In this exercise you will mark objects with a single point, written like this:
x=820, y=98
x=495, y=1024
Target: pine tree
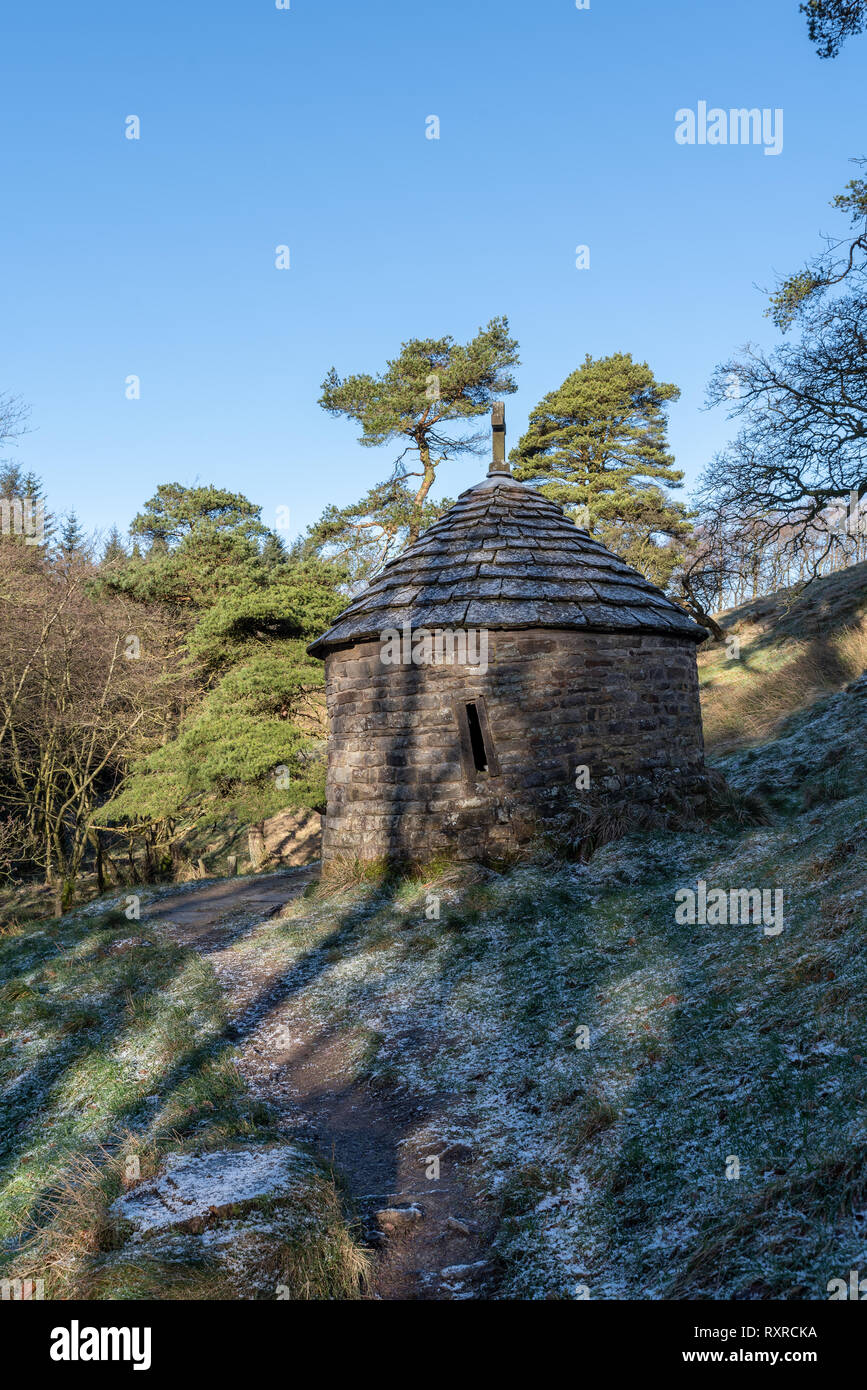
x=243, y=609
x=431, y=387
x=831, y=22
x=367, y=534
x=598, y=445
x=189, y=545
x=273, y=550
x=175, y=512
x=73, y=544
x=260, y=711
x=18, y=486
x=14, y=482
x=114, y=552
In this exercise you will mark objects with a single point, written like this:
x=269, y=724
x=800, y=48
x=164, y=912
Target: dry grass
x=98, y=1034
x=76, y=1244
x=852, y=646
x=745, y=700
x=606, y=818
x=12, y=928
x=332, y=1267
x=345, y=871
x=72, y=1221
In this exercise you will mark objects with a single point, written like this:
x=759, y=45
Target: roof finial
x=498, y=426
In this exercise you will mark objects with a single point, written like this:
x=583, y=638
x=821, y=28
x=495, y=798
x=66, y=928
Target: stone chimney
x=498, y=428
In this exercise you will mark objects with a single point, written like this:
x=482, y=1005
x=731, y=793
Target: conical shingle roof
x=504, y=556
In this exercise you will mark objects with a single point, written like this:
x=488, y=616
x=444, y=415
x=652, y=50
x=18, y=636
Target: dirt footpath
x=429, y=1235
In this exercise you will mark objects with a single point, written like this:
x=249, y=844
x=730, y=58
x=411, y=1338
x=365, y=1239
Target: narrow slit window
x=477, y=739
x=478, y=754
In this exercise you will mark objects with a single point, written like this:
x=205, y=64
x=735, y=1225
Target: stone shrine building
x=485, y=667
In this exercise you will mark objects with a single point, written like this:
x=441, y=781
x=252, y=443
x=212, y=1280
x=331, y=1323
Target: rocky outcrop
x=193, y=1189
x=232, y=1212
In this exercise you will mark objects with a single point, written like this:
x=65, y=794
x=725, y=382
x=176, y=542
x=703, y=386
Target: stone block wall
x=626, y=706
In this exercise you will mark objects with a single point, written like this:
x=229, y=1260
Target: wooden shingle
x=505, y=557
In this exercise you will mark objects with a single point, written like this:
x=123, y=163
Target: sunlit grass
x=112, y=1044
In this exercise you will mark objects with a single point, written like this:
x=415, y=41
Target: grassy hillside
x=607, y=1167
x=783, y=653
x=112, y=1049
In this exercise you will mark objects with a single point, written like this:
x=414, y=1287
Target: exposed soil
x=435, y=1245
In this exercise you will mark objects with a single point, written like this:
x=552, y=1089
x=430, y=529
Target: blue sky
x=306, y=127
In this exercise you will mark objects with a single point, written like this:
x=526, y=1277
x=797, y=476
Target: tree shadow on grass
x=44, y=1085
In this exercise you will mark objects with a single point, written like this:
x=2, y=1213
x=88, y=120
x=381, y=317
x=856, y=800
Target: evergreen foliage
x=423, y=398
x=831, y=22
x=72, y=543
x=114, y=551
x=247, y=611
x=598, y=445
